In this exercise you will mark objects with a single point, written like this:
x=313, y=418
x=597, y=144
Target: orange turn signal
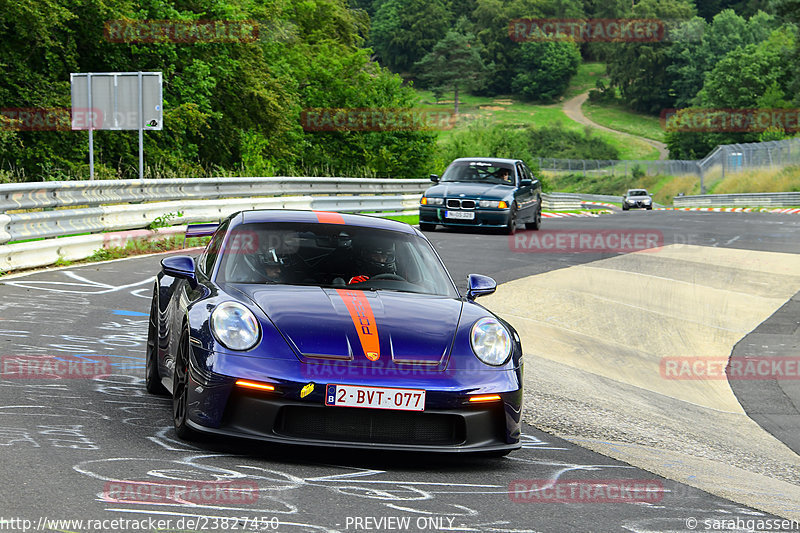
x=254, y=385
x=502, y=205
x=485, y=398
x=424, y=201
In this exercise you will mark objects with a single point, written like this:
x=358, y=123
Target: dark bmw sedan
x=483, y=192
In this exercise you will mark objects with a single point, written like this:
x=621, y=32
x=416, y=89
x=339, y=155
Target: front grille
x=455, y=203
x=370, y=425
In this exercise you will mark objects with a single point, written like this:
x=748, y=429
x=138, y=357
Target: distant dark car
x=483, y=192
x=637, y=198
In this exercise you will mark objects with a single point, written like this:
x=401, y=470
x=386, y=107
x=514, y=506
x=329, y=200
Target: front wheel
x=425, y=226
x=649, y=207
x=180, y=390
x=152, y=378
x=537, y=222
x=511, y=228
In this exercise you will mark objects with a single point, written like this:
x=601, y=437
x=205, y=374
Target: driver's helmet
x=273, y=264
x=377, y=256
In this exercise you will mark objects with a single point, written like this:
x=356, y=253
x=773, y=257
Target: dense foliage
x=237, y=107
x=230, y=107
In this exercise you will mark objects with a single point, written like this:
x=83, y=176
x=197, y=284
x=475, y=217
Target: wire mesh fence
x=723, y=160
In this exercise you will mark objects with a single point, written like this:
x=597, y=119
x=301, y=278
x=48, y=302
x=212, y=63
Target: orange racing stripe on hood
x=364, y=321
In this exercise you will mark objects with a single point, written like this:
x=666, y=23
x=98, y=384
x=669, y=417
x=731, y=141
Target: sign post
x=117, y=101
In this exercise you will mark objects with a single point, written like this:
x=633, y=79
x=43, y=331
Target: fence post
x=584, y=167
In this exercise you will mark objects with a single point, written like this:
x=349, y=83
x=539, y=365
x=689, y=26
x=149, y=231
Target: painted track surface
x=64, y=441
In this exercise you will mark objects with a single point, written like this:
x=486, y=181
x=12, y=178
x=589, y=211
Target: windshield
x=480, y=171
x=334, y=256
x=637, y=193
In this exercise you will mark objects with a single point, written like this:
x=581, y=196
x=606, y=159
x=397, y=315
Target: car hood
x=637, y=198
x=480, y=191
x=360, y=326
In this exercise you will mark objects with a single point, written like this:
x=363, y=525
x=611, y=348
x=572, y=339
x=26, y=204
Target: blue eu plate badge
x=331, y=395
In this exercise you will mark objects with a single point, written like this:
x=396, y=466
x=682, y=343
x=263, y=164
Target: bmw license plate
x=375, y=397
x=462, y=215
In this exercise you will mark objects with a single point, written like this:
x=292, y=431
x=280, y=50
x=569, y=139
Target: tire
x=511, y=229
x=180, y=390
x=152, y=378
x=537, y=223
x=625, y=208
x=649, y=207
x=425, y=226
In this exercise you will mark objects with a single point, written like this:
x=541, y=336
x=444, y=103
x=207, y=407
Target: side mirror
x=180, y=267
x=525, y=182
x=435, y=178
x=478, y=285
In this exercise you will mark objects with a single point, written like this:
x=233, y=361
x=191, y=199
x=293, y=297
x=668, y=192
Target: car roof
x=319, y=217
x=488, y=160
x=631, y=190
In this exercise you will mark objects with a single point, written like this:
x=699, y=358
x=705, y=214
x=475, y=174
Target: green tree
x=543, y=69
x=453, y=64
x=639, y=70
x=403, y=31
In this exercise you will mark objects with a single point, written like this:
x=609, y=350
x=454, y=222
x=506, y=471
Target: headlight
x=648, y=200
x=493, y=203
x=490, y=341
x=431, y=201
x=235, y=326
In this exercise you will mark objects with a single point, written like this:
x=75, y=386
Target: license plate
x=462, y=215
x=375, y=397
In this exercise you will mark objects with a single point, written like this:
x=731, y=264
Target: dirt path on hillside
x=572, y=108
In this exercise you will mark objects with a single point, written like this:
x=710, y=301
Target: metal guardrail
x=46, y=195
x=44, y=224
x=762, y=199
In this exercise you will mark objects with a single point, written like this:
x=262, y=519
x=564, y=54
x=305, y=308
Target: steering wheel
x=388, y=275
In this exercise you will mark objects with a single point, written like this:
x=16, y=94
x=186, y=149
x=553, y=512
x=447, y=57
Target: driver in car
x=374, y=259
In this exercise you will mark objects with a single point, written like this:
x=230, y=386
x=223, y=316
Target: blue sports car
x=330, y=329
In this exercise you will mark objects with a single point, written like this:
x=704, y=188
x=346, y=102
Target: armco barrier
x=760, y=199
x=95, y=193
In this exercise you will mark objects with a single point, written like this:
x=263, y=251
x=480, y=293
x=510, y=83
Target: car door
x=536, y=187
x=526, y=200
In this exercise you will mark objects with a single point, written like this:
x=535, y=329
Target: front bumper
x=637, y=205
x=483, y=217
x=448, y=424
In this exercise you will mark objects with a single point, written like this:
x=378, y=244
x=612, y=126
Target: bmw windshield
x=479, y=171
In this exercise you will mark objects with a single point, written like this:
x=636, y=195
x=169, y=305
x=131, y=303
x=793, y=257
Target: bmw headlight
x=436, y=201
x=490, y=341
x=235, y=326
x=493, y=203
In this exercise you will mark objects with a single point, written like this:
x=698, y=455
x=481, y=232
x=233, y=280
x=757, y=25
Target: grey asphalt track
x=67, y=442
